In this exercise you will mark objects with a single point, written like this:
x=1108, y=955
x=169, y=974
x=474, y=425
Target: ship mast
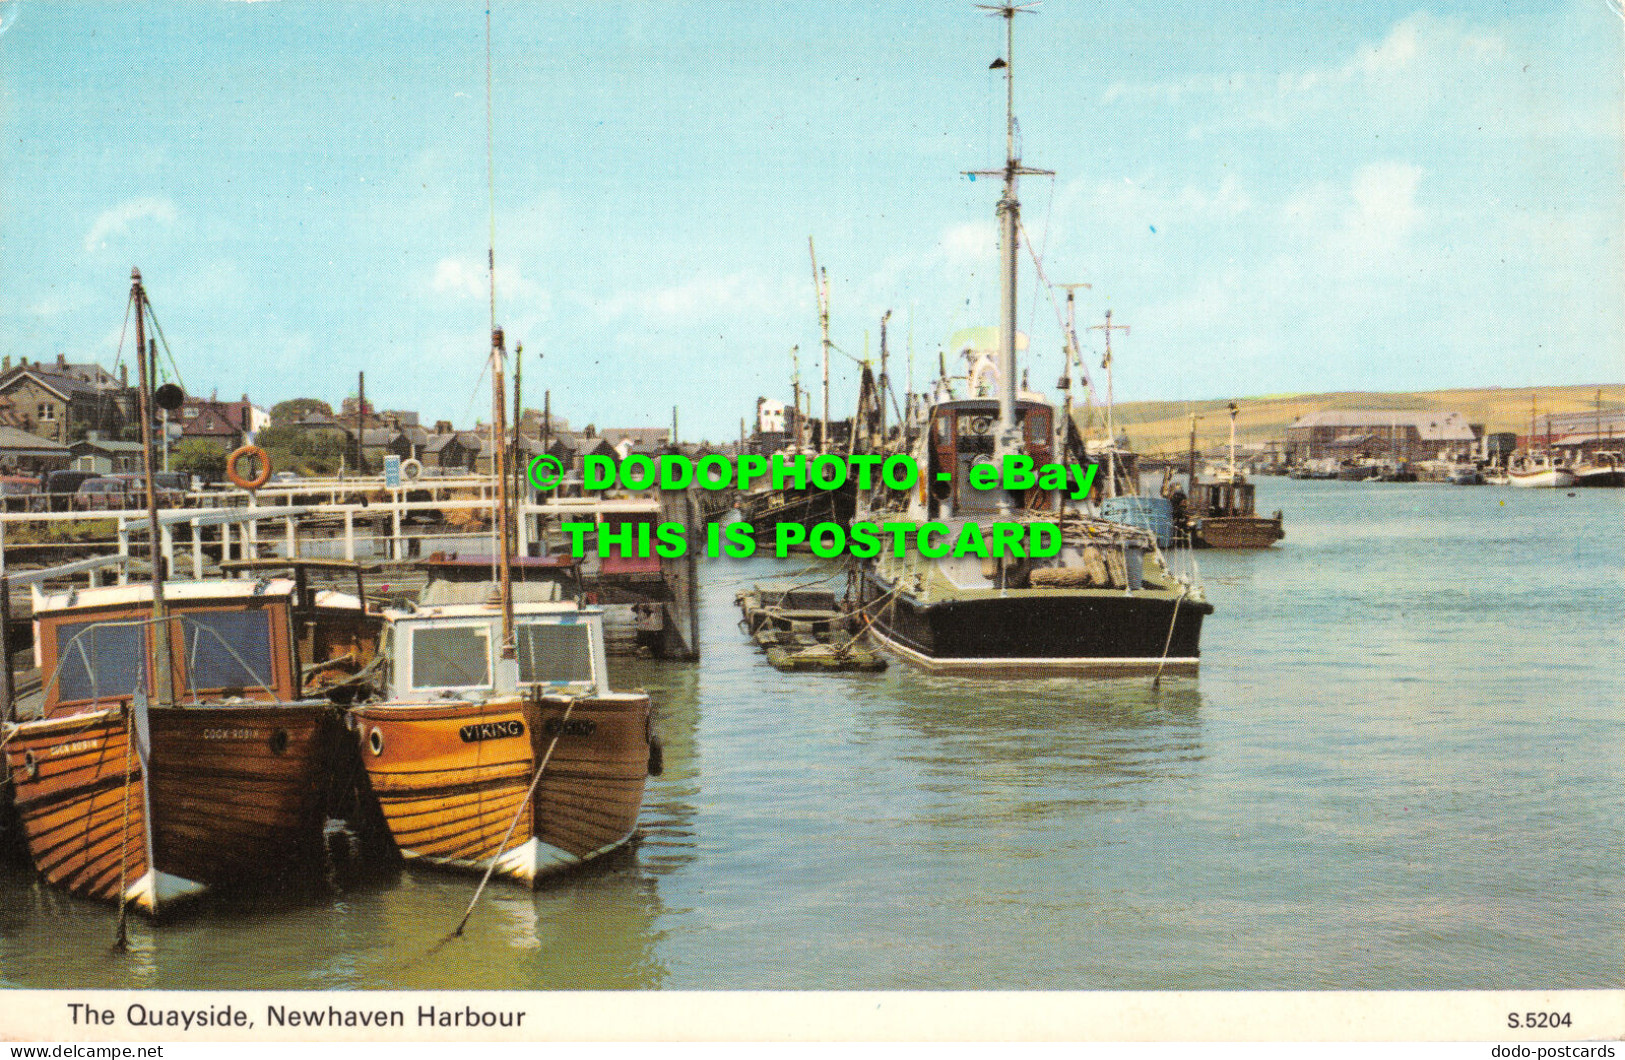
x=163, y=667
x=1008, y=438
x=499, y=397
x=821, y=289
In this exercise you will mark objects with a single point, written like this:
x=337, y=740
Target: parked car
x=102, y=494
x=62, y=486
x=171, y=486
x=20, y=493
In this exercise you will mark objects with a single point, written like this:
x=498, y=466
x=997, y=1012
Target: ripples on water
x=1400, y=768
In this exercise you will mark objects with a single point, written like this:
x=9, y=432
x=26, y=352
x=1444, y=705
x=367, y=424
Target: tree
x=304, y=450
x=296, y=409
x=199, y=457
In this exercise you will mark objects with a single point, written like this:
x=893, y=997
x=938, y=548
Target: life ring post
x=255, y=453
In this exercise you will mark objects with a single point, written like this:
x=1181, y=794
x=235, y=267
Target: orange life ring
x=258, y=480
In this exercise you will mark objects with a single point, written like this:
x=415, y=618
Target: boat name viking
x=491, y=730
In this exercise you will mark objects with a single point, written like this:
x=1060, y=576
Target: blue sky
x=1276, y=197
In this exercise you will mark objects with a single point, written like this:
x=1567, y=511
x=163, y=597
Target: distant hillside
x=1164, y=426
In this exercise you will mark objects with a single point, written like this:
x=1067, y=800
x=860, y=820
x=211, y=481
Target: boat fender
x=260, y=479
x=657, y=757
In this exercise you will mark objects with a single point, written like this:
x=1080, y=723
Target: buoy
x=258, y=480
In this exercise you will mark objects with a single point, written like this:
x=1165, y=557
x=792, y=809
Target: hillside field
x=1163, y=427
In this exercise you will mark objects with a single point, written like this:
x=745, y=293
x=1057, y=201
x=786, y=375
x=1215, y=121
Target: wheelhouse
x=230, y=641
x=452, y=652
x=962, y=435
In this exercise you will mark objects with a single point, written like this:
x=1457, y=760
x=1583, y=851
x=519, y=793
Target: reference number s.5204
x=1539, y=1019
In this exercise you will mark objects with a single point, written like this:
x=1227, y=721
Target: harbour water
x=1402, y=767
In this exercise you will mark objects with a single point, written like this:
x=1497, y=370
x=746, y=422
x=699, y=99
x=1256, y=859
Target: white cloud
x=968, y=243
x=117, y=221
x=464, y=278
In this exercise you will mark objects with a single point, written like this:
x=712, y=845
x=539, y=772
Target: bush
x=194, y=456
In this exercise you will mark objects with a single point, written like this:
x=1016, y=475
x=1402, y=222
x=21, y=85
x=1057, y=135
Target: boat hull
x=1035, y=633
x=765, y=510
x=1545, y=478
x=454, y=780
x=1595, y=477
x=229, y=797
x=1236, y=531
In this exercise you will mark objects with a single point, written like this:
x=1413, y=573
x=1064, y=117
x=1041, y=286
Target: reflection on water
x=1400, y=767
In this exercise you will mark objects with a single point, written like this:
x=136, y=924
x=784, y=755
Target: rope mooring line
x=1156, y=681
x=526, y=801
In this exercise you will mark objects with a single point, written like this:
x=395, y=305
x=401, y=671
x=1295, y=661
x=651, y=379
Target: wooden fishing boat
x=497, y=745
x=1220, y=511
x=531, y=761
x=172, y=752
x=1221, y=515
x=121, y=798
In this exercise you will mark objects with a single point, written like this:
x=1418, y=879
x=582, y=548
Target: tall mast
x=1071, y=354
x=499, y=400
x=795, y=391
x=1009, y=212
x=821, y=289
x=163, y=664
x=885, y=381
x=1111, y=401
x=1233, y=411
x=499, y=420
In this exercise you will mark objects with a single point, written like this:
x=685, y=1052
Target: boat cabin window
x=451, y=656
x=228, y=649
x=552, y=653
x=100, y=660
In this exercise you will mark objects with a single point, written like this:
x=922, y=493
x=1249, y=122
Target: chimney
x=61, y=360
x=124, y=376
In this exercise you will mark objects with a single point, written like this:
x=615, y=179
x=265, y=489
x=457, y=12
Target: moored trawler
x=1104, y=603
x=124, y=798
x=531, y=762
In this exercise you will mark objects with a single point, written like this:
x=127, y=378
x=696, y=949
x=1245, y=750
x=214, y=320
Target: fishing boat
x=1537, y=470
x=527, y=760
x=1220, y=512
x=497, y=745
x=767, y=505
x=1106, y=603
x=174, y=751
x=1600, y=469
x=127, y=791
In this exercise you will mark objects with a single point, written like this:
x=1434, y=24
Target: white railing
x=351, y=520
